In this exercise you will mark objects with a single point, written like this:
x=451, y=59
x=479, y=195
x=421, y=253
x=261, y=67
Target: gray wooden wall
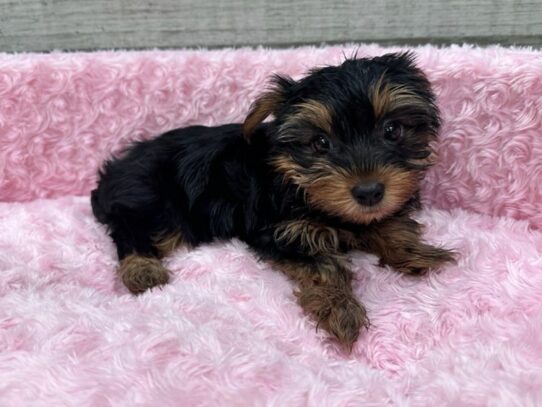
x=44, y=25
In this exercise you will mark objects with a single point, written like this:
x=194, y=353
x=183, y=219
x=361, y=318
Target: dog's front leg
x=309, y=255
x=398, y=243
x=325, y=293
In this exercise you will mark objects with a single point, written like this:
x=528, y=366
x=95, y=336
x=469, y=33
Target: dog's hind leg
x=140, y=267
x=139, y=273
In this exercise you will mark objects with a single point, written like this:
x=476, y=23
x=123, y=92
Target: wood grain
x=43, y=25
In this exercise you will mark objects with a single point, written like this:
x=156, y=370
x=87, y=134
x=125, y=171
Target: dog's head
x=354, y=138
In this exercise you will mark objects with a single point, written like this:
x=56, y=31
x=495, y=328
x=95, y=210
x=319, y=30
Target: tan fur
x=313, y=237
x=139, y=273
x=290, y=169
x=313, y=112
x=263, y=107
x=425, y=162
x=167, y=244
x=408, y=253
x=386, y=97
x=325, y=293
x=330, y=191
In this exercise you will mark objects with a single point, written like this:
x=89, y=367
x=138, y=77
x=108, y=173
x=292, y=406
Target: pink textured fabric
x=62, y=114
x=227, y=330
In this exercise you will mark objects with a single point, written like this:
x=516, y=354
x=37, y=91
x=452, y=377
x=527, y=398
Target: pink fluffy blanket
x=227, y=330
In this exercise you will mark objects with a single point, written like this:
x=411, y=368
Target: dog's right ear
x=267, y=104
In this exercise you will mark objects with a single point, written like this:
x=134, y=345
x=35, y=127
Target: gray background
x=44, y=25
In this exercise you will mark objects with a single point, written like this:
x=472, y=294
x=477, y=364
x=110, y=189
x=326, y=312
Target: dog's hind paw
x=139, y=273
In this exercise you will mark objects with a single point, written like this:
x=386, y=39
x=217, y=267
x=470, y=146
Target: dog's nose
x=368, y=193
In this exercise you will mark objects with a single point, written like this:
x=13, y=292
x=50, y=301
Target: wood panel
x=42, y=25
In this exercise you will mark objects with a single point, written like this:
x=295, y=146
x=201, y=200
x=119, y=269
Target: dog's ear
x=267, y=104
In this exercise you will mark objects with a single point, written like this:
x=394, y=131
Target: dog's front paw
x=140, y=273
x=419, y=259
x=335, y=310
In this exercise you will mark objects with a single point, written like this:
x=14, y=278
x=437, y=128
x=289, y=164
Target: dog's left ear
x=267, y=104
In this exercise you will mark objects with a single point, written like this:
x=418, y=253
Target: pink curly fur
x=227, y=330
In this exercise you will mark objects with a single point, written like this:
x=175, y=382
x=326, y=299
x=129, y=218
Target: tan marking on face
x=425, y=162
x=387, y=97
x=315, y=113
x=312, y=112
x=330, y=189
x=291, y=170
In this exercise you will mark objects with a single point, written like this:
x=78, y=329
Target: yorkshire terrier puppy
x=337, y=169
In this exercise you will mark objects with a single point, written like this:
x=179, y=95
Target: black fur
x=209, y=183
x=213, y=183
x=205, y=182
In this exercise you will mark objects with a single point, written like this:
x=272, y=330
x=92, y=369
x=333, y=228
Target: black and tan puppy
x=338, y=168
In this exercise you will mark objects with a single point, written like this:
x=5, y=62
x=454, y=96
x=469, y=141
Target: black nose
x=368, y=193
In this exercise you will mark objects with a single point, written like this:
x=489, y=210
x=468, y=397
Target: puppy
x=337, y=169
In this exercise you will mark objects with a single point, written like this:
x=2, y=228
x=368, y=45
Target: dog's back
x=197, y=180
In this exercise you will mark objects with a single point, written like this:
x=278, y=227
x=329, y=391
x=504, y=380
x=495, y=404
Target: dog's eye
x=393, y=131
x=321, y=144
